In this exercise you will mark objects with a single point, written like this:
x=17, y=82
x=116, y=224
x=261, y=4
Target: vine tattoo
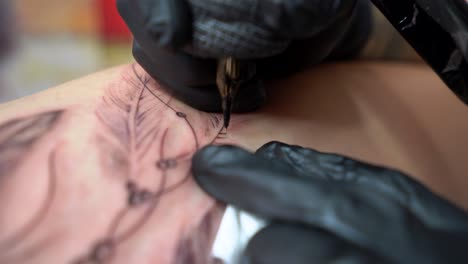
x=13, y=241
x=132, y=120
x=135, y=133
x=19, y=135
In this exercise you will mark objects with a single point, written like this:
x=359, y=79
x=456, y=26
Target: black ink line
x=136, y=196
x=19, y=135
x=213, y=123
x=142, y=220
x=115, y=223
x=197, y=144
x=145, y=136
x=183, y=116
x=166, y=164
x=178, y=113
x=132, y=122
x=148, y=146
x=15, y=240
x=177, y=184
x=149, y=90
x=143, y=115
x=103, y=251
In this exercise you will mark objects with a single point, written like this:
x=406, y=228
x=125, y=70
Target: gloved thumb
x=216, y=170
x=251, y=182
x=238, y=177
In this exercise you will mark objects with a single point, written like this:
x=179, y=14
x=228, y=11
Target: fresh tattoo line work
x=132, y=120
x=136, y=133
x=19, y=135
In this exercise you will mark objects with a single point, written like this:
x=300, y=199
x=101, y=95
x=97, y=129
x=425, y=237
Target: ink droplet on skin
x=166, y=164
x=180, y=114
x=131, y=186
x=138, y=197
x=102, y=251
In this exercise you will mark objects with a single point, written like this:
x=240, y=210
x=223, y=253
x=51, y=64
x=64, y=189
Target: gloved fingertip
x=290, y=154
x=252, y=183
x=271, y=149
x=305, y=161
x=211, y=156
x=212, y=168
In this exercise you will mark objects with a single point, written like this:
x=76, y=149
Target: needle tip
x=227, y=118
x=226, y=111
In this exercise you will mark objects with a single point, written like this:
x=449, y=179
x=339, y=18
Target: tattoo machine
x=438, y=31
x=230, y=75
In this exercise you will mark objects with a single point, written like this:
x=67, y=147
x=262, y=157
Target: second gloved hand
x=326, y=208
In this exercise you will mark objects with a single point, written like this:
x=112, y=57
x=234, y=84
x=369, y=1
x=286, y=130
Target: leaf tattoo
x=19, y=135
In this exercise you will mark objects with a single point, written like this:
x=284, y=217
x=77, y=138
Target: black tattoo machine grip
x=438, y=31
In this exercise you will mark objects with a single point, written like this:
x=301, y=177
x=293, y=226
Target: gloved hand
x=177, y=41
x=327, y=208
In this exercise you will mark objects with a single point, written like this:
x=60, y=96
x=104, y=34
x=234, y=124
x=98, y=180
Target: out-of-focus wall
x=6, y=32
x=57, y=41
x=58, y=16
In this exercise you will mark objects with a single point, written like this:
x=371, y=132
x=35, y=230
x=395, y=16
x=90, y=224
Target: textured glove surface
x=178, y=41
x=245, y=29
x=327, y=208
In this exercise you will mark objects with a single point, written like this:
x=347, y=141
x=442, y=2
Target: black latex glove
x=177, y=41
x=327, y=208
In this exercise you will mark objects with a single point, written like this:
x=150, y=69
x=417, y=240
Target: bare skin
x=96, y=170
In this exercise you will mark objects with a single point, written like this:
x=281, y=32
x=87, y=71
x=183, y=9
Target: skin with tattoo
x=97, y=170
x=107, y=182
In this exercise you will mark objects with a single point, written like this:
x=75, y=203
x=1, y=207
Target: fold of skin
x=97, y=169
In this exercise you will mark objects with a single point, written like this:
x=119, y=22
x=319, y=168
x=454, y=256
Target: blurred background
x=44, y=43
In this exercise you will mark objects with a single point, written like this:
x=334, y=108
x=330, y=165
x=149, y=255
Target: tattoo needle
x=228, y=79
